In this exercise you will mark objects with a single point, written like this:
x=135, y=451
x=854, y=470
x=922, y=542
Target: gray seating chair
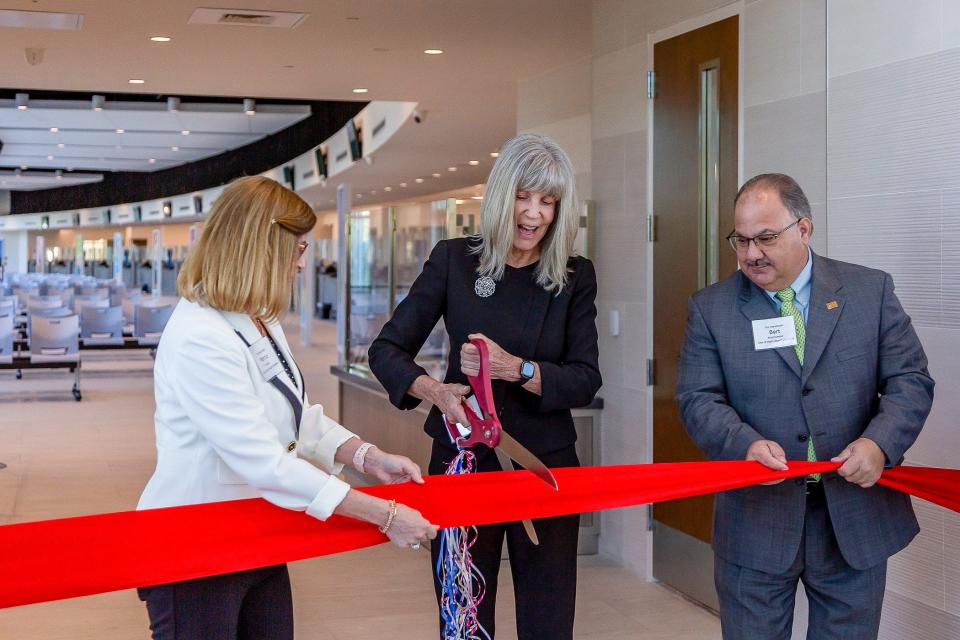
x=149, y=322
x=55, y=339
x=101, y=325
x=79, y=302
x=36, y=303
x=6, y=337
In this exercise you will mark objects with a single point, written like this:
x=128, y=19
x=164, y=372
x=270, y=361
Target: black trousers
x=544, y=576
x=247, y=605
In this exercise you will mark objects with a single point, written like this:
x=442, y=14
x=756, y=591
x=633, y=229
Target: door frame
x=691, y=24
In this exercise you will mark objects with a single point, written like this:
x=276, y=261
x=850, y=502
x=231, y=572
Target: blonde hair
x=243, y=261
x=534, y=163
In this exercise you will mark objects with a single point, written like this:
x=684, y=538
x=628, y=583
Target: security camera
x=419, y=116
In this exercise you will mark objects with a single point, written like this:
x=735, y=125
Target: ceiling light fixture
x=451, y=169
x=173, y=104
x=433, y=52
x=494, y=154
x=403, y=185
x=476, y=197
x=49, y=157
x=119, y=130
x=185, y=132
x=23, y=167
x=436, y=175
x=136, y=81
x=98, y=102
x=22, y=100
x=174, y=148
x=388, y=188
x=160, y=39
x=418, y=180
x=60, y=145
x=473, y=163
x=54, y=130
x=250, y=106
x=361, y=90
x=152, y=160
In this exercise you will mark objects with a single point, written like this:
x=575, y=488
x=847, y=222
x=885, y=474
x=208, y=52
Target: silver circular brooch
x=484, y=286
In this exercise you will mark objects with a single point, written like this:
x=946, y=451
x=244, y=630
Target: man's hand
x=863, y=462
x=769, y=454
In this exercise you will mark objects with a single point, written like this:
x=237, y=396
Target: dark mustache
x=762, y=262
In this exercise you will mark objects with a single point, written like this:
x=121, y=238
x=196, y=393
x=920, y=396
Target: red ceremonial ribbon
x=55, y=559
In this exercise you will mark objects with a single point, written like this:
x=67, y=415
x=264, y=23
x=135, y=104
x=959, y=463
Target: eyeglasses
x=302, y=248
x=763, y=241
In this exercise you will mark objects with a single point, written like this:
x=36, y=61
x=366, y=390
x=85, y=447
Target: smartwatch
x=527, y=371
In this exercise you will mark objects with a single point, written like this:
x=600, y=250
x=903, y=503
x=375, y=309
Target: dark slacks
x=845, y=603
x=247, y=605
x=544, y=576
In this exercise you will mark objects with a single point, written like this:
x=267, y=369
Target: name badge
x=774, y=333
x=266, y=358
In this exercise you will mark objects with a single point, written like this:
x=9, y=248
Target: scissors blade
x=525, y=459
x=527, y=524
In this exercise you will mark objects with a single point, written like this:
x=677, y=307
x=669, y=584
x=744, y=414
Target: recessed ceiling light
x=185, y=132
x=359, y=195
x=373, y=192
x=119, y=130
x=160, y=39
x=361, y=90
x=476, y=197
x=23, y=167
x=136, y=81
x=174, y=148
x=60, y=145
x=403, y=185
x=152, y=160
x=49, y=157
x=451, y=168
x=494, y=154
x=388, y=188
x=436, y=175
x=473, y=163
x=460, y=201
x=418, y=180
x=54, y=130
x=433, y=52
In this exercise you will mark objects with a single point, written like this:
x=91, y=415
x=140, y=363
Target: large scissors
x=485, y=428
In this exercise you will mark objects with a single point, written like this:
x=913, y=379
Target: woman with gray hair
x=518, y=287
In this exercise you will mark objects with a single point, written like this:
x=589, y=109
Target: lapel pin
x=833, y=304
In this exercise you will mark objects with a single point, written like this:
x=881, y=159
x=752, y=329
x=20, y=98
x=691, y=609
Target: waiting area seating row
x=45, y=320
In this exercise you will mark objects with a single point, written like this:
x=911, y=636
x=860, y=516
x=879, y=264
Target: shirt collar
x=800, y=286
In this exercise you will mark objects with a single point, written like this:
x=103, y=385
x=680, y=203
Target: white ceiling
x=469, y=92
x=90, y=139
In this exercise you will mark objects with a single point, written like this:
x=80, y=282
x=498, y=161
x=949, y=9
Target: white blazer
x=224, y=432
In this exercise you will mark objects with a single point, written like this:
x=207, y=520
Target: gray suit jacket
x=864, y=374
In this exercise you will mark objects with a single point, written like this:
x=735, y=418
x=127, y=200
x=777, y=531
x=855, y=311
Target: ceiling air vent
x=247, y=18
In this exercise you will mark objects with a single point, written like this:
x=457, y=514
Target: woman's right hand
x=410, y=528
x=449, y=399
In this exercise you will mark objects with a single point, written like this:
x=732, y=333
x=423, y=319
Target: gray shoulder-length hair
x=534, y=163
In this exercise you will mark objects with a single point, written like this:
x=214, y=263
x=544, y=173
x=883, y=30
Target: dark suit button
x=807, y=391
x=802, y=437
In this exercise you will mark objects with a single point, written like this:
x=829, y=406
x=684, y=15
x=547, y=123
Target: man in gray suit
x=799, y=357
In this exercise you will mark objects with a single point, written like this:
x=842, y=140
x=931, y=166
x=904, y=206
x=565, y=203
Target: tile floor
x=66, y=458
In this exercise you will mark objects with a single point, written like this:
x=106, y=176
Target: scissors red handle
x=486, y=428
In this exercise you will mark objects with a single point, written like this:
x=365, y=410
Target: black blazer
x=557, y=331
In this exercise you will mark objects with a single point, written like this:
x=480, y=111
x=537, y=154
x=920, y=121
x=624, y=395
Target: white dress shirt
x=225, y=433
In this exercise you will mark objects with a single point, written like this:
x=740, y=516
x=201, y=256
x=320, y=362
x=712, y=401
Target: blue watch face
x=526, y=370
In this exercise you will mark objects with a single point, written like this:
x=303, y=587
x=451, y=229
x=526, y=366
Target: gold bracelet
x=390, y=517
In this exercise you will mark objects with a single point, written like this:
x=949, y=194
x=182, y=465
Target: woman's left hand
x=503, y=366
x=390, y=468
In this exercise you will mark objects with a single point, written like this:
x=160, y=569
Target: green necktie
x=787, y=308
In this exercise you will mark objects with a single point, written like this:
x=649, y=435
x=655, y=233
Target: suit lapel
x=756, y=305
x=822, y=314
x=539, y=303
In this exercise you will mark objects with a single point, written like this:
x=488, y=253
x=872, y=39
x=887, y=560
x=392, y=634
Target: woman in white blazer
x=233, y=420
